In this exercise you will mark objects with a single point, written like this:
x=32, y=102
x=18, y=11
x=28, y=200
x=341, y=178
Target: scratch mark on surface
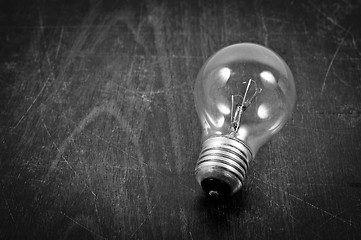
x=334, y=22
x=92, y=191
x=52, y=75
x=132, y=235
x=135, y=135
x=190, y=235
x=41, y=24
x=58, y=150
x=132, y=130
x=264, y=26
x=81, y=225
x=7, y=205
x=136, y=30
x=21, y=177
x=284, y=208
x=102, y=139
x=151, y=93
x=137, y=229
x=59, y=43
x=355, y=45
x=183, y=221
x=331, y=62
x=47, y=132
x=32, y=104
x=278, y=205
x=105, y=108
x=350, y=223
x=157, y=20
x=109, y=107
x=340, y=213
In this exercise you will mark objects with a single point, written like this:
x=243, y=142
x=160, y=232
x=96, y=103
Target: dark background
x=99, y=134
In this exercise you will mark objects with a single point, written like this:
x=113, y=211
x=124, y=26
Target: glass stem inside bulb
x=241, y=107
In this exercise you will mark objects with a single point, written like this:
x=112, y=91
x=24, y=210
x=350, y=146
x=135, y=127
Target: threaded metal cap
x=222, y=166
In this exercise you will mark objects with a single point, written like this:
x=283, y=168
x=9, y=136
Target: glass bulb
x=244, y=94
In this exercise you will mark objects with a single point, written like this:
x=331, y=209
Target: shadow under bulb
x=244, y=95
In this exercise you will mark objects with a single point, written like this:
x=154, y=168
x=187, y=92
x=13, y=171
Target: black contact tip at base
x=216, y=188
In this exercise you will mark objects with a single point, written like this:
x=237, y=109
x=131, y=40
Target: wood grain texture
x=99, y=134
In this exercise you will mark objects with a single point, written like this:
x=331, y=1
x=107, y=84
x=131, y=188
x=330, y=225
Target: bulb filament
x=241, y=107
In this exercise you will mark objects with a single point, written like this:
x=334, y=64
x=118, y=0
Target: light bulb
x=244, y=95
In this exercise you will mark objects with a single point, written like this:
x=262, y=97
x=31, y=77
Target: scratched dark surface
x=99, y=134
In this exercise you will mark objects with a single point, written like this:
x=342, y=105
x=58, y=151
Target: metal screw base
x=222, y=166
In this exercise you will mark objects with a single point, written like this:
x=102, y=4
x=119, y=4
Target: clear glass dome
x=250, y=74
